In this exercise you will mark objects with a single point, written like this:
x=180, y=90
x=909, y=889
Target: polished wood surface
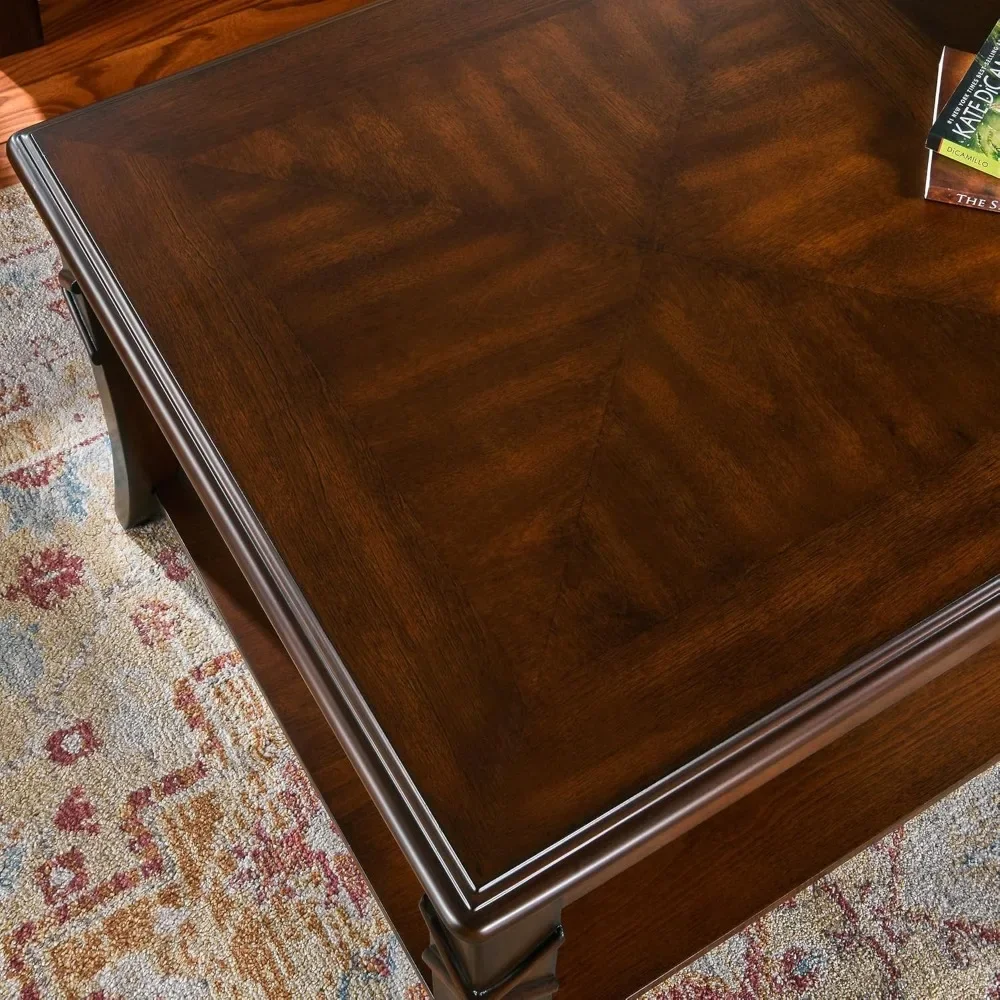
x=704, y=886
x=591, y=439
x=676, y=903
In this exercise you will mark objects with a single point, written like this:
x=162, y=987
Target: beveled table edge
x=594, y=852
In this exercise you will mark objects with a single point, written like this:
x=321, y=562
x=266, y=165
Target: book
x=967, y=127
x=948, y=180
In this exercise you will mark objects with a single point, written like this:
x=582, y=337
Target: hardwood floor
x=98, y=48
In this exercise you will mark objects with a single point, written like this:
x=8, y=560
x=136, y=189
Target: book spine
x=932, y=143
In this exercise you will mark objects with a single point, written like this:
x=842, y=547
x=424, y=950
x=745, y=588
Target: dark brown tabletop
x=593, y=370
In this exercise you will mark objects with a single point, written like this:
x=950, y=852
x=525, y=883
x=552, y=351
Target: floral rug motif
x=159, y=839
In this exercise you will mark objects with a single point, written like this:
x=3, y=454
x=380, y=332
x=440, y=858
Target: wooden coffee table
x=605, y=425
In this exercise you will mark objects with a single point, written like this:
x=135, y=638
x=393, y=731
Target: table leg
x=518, y=963
x=139, y=452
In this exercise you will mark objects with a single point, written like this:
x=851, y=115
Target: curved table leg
x=141, y=456
x=515, y=964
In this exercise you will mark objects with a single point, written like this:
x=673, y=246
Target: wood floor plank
x=63, y=18
x=23, y=104
x=77, y=33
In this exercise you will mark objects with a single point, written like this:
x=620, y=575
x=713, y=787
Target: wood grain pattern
x=63, y=17
x=614, y=430
x=80, y=34
x=94, y=18
x=612, y=456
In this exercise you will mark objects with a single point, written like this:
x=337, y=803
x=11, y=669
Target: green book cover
x=968, y=128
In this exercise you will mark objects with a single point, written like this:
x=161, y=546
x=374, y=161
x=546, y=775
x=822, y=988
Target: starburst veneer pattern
x=605, y=423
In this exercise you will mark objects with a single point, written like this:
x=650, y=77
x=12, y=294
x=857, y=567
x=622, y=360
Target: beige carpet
x=158, y=838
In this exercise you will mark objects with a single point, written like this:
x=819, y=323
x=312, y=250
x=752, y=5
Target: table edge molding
x=594, y=852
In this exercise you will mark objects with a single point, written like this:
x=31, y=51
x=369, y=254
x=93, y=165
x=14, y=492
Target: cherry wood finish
x=715, y=879
x=20, y=26
x=603, y=421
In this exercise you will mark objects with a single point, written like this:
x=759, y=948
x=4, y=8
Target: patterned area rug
x=158, y=838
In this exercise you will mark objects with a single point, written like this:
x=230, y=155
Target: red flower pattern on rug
x=75, y=814
x=174, y=564
x=47, y=577
x=67, y=746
